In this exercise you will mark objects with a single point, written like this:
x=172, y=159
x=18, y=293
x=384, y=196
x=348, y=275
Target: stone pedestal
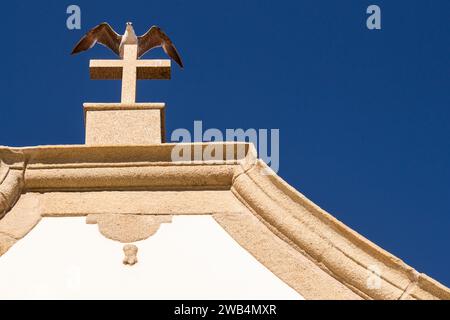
x=124, y=123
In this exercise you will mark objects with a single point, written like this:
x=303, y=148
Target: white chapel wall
x=190, y=258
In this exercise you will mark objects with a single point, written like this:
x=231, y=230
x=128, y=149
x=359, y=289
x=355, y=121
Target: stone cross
x=129, y=69
x=127, y=122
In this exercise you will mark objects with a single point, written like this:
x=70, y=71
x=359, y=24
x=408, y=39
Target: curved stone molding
x=10, y=189
x=82, y=155
x=11, y=185
x=127, y=228
x=292, y=267
x=340, y=251
x=6, y=242
x=147, y=167
x=19, y=221
x=11, y=178
x=151, y=177
x=4, y=171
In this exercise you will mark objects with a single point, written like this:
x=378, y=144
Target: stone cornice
x=309, y=231
x=149, y=167
x=12, y=166
x=337, y=249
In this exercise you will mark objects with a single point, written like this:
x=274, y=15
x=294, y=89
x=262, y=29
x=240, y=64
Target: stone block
x=124, y=124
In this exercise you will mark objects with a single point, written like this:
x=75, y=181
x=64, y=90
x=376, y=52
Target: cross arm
x=145, y=69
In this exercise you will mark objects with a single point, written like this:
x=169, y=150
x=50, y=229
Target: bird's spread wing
x=103, y=34
x=155, y=37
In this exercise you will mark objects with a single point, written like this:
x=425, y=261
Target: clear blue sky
x=363, y=115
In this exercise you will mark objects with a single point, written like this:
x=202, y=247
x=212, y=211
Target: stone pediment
x=126, y=186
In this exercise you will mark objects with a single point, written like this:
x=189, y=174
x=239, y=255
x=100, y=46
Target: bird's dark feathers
x=103, y=34
x=155, y=37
